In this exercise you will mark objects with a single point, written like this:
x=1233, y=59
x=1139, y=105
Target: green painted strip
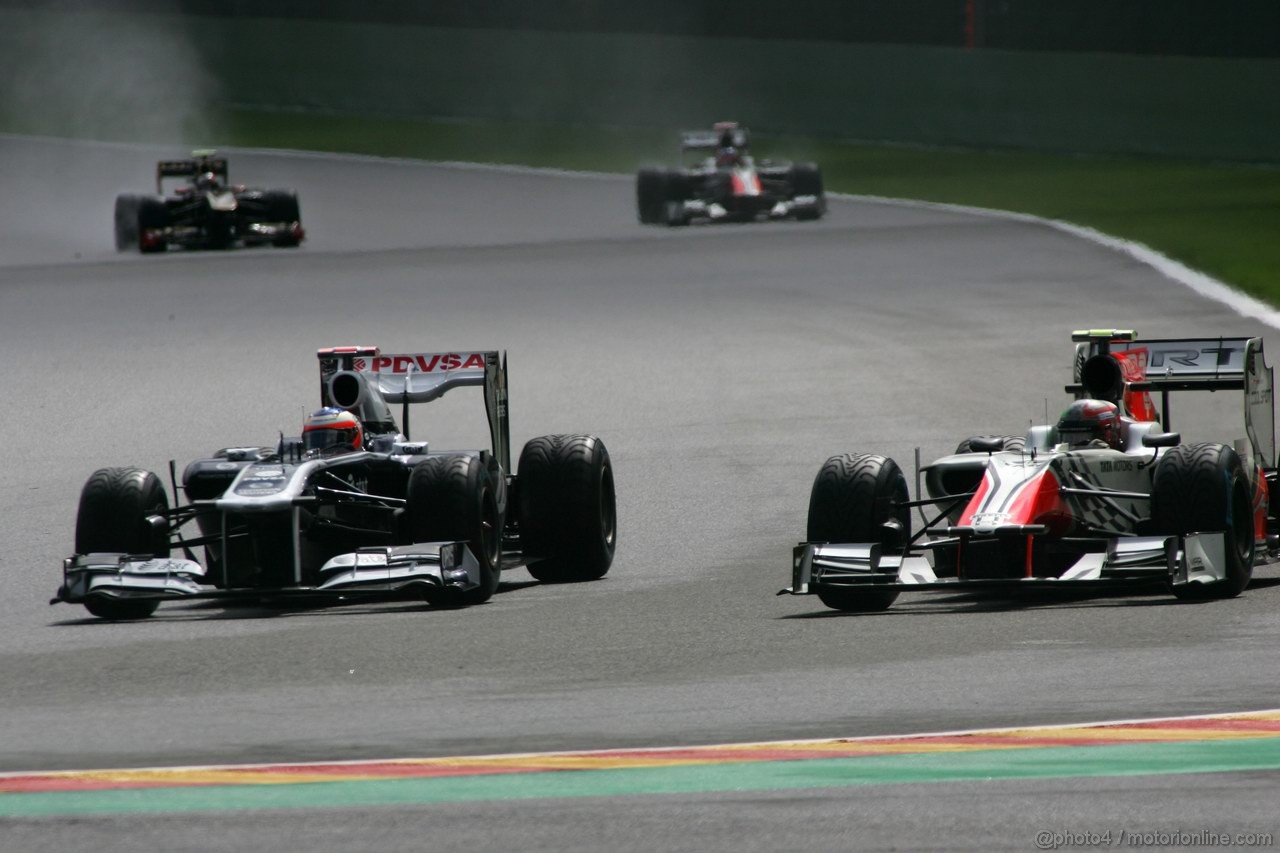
x=1215, y=756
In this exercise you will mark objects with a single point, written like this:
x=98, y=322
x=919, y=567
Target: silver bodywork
x=284, y=494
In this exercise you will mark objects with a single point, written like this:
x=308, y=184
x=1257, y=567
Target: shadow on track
x=1120, y=596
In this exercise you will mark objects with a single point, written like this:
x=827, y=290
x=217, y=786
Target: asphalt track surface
x=721, y=366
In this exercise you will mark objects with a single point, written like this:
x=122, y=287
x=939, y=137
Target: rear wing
x=716, y=137
x=1183, y=364
x=422, y=377
x=200, y=163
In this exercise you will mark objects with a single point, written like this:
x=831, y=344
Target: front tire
x=454, y=498
x=112, y=518
x=282, y=206
x=651, y=195
x=568, y=509
x=126, y=222
x=806, y=179
x=1203, y=488
x=853, y=496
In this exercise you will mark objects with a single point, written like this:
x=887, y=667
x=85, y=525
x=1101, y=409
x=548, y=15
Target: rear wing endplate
x=1196, y=364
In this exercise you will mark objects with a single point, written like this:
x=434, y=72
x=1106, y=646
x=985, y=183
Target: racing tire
x=651, y=195
x=152, y=214
x=1011, y=442
x=1203, y=488
x=568, y=508
x=126, y=222
x=282, y=206
x=451, y=499
x=806, y=179
x=852, y=498
x=112, y=518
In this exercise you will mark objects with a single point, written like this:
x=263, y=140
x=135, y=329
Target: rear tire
x=568, y=509
x=852, y=497
x=112, y=518
x=451, y=499
x=1203, y=488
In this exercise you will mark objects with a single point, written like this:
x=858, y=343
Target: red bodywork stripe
x=975, y=502
x=748, y=186
x=1039, y=502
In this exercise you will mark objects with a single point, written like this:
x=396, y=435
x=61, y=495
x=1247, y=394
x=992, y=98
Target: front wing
x=1193, y=559
x=374, y=571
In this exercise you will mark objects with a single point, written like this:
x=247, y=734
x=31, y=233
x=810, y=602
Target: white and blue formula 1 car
x=1107, y=494
x=371, y=514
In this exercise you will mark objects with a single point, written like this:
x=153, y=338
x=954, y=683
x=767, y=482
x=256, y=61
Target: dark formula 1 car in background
x=205, y=212
x=727, y=184
x=1105, y=495
x=353, y=507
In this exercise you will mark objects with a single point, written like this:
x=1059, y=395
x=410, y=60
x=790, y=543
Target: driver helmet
x=1087, y=421
x=207, y=181
x=728, y=156
x=332, y=428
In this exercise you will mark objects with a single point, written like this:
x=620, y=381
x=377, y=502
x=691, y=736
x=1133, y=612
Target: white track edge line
x=357, y=762
x=1201, y=283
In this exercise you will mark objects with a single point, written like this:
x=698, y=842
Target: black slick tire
x=1203, y=488
x=454, y=499
x=112, y=518
x=126, y=222
x=282, y=206
x=806, y=179
x=568, y=511
x=853, y=496
x=651, y=195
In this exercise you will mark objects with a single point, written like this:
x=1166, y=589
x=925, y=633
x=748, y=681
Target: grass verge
x=1223, y=219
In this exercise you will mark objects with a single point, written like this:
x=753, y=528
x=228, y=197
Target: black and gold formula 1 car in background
x=205, y=211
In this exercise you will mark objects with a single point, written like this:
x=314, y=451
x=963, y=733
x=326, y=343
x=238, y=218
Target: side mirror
x=1162, y=439
x=986, y=444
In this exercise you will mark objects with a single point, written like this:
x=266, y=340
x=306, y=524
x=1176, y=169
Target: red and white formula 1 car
x=1106, y=494
x=727, y=184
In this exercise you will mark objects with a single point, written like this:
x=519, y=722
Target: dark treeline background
x=1208, y=28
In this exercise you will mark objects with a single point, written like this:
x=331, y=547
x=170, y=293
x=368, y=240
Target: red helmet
x=1085, y=421
x=332, y=428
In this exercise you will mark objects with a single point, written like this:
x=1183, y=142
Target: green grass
x=1223, y=219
